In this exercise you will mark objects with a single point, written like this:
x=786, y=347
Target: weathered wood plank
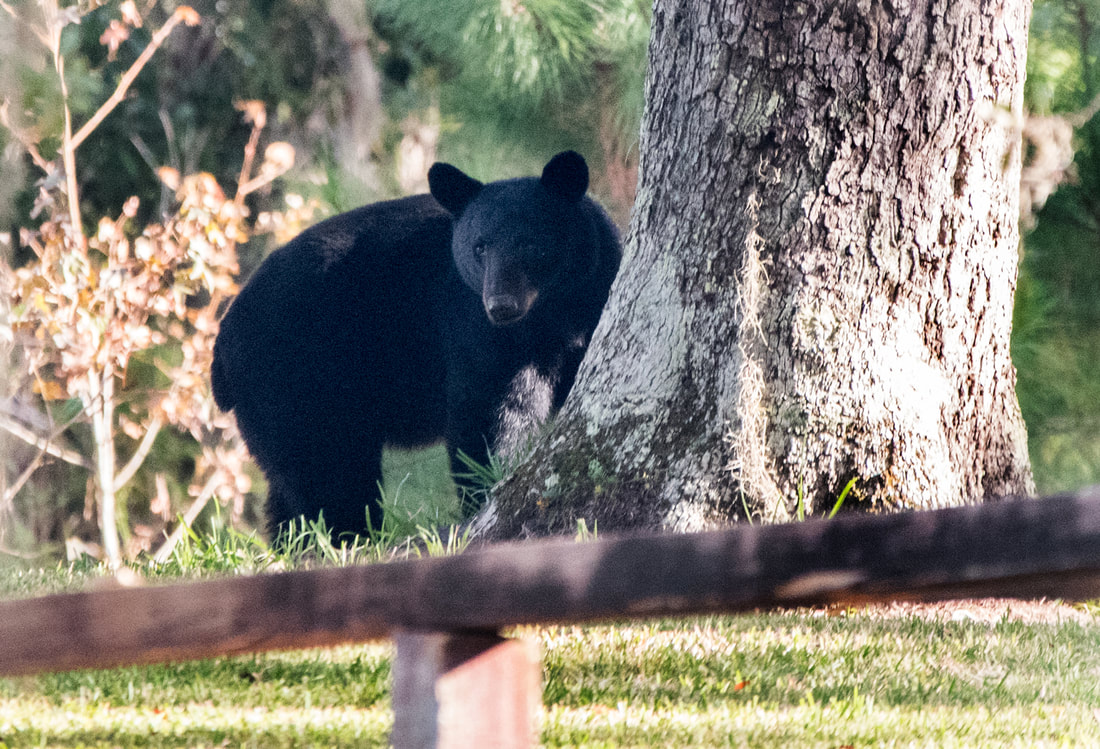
x=459, y=690
x=1045, y=547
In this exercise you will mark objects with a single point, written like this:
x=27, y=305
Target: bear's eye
x=479, y=250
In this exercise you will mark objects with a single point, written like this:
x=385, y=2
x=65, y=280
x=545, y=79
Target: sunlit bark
x=818, y=276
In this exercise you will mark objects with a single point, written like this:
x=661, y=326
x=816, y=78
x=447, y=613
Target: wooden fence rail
x=448, y=610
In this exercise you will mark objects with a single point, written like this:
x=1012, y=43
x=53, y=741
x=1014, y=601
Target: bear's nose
x=503, y=309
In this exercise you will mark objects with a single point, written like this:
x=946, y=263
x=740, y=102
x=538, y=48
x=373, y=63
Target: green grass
x=766, y=680
x=797, y=680
x=418, y=491
x=319, y=698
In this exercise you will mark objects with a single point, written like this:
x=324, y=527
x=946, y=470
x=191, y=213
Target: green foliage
x=514, y=81
x=583, y=534
x=1056, y=335
x=503, y=84
x=223, y=549
x=800, y=506
x=321, y=698
x=182, y=109
x=517, y=53
x=843, y=496
x=1062, y=51
x=25, y=580
x=481, y=478
x=418, y=491
x=146, y=285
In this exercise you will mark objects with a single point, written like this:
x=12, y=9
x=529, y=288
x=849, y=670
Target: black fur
x=459, y=316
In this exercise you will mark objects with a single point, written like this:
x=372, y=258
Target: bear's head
x=519, y=241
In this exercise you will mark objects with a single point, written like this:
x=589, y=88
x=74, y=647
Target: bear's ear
x=451, y=187
x=566, y=175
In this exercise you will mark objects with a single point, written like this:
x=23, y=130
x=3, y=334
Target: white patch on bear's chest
x=525, y=406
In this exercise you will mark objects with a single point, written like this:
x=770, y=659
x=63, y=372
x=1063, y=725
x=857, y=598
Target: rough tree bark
x=818, y=276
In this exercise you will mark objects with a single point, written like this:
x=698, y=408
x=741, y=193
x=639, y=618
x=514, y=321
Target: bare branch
x=256, y=114
x=18, y=554
x=24, y=140
x=278, y=159
x=193, y=511
x=45, y=444
x=183, y=13
x=68, y=150
x=132, y=466
x=11, y=491
x=1079, y=119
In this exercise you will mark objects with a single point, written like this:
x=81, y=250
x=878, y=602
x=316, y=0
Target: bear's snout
x=506, y=309
x=503, y=309
x=506, y=292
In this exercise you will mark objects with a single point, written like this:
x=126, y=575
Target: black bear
x=459, y=316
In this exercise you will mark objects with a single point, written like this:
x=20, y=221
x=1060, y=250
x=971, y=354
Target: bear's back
x=331, y=290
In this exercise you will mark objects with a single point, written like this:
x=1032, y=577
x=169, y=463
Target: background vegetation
x=363, y=95
x=1056, y=340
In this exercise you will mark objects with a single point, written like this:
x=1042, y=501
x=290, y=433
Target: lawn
x=913, y=677
x=973, y=674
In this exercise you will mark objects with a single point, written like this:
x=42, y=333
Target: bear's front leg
x=473, y=398
x=496, y=418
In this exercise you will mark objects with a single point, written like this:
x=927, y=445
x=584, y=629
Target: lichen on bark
x=818, y=276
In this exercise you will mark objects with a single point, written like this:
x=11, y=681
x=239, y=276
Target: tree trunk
x=101, y=404
x=356, y=132
x=818, y=277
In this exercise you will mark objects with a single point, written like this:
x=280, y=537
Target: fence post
x=456, y=690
